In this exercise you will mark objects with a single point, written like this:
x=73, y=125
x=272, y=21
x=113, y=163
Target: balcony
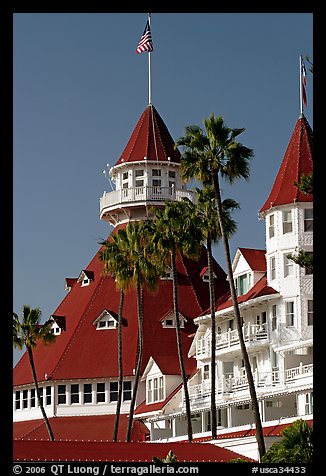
x=264, y=381
x=253, y=334
x=111, y=200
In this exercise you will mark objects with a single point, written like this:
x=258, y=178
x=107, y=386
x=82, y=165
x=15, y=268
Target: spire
x=297, y=161
x=150, y=139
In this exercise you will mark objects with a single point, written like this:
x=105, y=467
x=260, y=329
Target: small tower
x=289, y=227
x=146, y=174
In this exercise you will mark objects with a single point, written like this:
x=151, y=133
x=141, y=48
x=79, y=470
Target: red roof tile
x=255, y=258
x=258, y=290
x=86, y=427
x=83, y=304
x=124, y=452
x=150, y=139
x=297, y=161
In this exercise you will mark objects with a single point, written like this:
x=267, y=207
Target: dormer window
x=69, y=284
x=167, y=273
x=204, y=274
x=155, y=389
x=85, y=277
x=169, y=320
x=106, y=320
x=58, y=324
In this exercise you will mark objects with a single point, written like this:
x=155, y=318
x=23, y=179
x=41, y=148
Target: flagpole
x=301, y=100
x=149, y=68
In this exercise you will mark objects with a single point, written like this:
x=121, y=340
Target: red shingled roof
x=86, y=427
x=150, y=139
x=125, y=452
x=255, y=258
x=297, y=161
x=258, y=290
x=83, y=304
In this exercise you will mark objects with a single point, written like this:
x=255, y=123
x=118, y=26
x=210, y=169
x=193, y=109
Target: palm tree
x=27, y=333
x=139, y=272
x=207, y=156
x=206, y=208
x=175, y=227
x=296, y=445
x=113, y=255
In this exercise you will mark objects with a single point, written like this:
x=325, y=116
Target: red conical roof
x=150, y=139
x=296, y=162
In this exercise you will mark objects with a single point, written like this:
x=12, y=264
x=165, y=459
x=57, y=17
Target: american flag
x=303, y=83
x=145, y=42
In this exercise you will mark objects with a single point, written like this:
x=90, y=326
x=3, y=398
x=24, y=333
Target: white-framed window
x=170, y=321
x=106, y=321
x=155, y=389
x=62, y=395
x=288, y=266
x=41, y=395
x=308, y=409
x=308, y=224
x=127, y=390
x=274, y=317
x=287, y=221
x=100, y=392
x=17, y=400
x=125, y=176
x=74, y=393
x=139, y=173
x=271, y=226
x=167, y=273
x=206, y=372
x=289, y=313
x=310, y=312
x=88, y=393
x=25, y=399
x=85, y=277
x=272, y=267
x=156, y=172
x=48, y=395
x=33, y=397
x=243, y=284
x=156, y=184
x=114, y=387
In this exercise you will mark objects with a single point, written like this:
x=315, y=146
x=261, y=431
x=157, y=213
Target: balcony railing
x=298, y=372
x=263, y=380
x=140, y=194
x=251, y=332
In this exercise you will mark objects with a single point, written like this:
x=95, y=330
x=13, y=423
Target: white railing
x=263, y=380
x=134, y=194
x=298, y=372
x=251, y=332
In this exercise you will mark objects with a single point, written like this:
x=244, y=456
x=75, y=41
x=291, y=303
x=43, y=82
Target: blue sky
x=79, y=90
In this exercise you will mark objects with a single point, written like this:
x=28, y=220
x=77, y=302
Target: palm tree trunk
x=179, y=343
x=252, y=389
x=47, y=423
x=139, y=359
x=120, y=381
x=213, y=336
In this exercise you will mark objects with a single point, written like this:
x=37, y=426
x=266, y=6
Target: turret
x=146, y=174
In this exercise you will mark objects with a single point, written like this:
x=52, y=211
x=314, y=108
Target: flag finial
x=303, y=84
